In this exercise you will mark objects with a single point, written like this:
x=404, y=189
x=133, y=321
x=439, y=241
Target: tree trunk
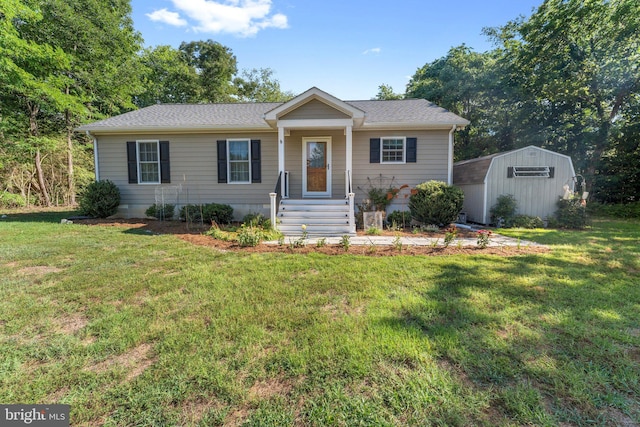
x=33, y=129
x=70, y=174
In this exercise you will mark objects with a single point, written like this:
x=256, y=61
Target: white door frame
x=306, y=193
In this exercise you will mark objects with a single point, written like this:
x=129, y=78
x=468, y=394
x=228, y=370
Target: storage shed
x=534, y=176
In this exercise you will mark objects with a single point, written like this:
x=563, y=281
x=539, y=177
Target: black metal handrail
x=278, y=190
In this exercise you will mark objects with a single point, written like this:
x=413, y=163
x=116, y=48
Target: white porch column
x=281, y=159
x=352, y=216
x=349, y=161
x=272, y=211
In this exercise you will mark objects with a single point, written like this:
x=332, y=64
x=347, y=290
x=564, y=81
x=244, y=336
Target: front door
x=316, y=160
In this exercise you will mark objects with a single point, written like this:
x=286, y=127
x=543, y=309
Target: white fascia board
x=173, y=130
x=315, y=123
x=412, y=126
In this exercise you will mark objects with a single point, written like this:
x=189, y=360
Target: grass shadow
x=46, y=216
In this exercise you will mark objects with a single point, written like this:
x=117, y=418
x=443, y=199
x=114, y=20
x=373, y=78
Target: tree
x=259, y=86
x=579, y=61
x=168, y=78
x=215, y=66
x=385, y=92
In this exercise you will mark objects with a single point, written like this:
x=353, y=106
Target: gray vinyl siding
x=314, y=110
x=431, y=162
x=193, y=162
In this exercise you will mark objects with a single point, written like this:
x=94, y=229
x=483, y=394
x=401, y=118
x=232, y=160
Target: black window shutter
x=374, y=150
x=412, y=150
x=256, y=169
x=165, y=169
x=132, y=162
x=510, y=172
x=552, y=171
x=222, y=161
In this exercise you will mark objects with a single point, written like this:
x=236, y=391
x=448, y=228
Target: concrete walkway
x=418, y=240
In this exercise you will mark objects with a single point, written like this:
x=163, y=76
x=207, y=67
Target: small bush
x=162, y=212
x=436, y=202
x=527, y=221
x=504, y=211
x=100, y=199
x=10, y=200
x=571, y=213
x=373, y=231
x=249, y=236
x=256, y=220
x=400, y=218
x=208, y=213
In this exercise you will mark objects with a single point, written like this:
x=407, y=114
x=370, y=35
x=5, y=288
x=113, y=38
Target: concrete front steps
x=322, y=217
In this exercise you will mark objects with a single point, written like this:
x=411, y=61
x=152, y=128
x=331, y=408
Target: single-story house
x=534, y=176
x=304, y=161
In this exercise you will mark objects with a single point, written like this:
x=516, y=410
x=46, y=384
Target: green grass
x=141, y=329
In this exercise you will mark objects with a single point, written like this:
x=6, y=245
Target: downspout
x=95, y=155
x=450, y=159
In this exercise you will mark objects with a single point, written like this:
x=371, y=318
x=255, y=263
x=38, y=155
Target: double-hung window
x=393, y=149
x=148, y=162
x=239, y=158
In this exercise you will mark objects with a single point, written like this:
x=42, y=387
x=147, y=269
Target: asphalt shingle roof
x=251, y=115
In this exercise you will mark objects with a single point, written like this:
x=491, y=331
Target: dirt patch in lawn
x=71, y=323
x=194, y=235
x=135, y=361
x=39, y=270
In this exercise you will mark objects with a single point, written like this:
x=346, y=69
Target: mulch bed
x=194, y=235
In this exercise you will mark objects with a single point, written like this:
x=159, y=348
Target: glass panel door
x=317, y=152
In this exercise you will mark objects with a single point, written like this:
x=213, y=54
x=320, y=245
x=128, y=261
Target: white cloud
x=373, y=51
x=171, y=18
x=243, y=18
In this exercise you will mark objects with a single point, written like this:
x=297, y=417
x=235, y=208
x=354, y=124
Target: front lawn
x=132, y=328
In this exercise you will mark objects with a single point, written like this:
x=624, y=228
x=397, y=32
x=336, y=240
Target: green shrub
x=504, y=211
x=400, y=218
x=256, y=220
x=249, y=236
x=163, y=212
x=100, y=199
x=436, y=202
x=527, y=221
x=10, y=200
x=625, y=211
x=571, y=213
x=209, y=213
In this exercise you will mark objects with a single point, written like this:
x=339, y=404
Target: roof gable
x=317, y=95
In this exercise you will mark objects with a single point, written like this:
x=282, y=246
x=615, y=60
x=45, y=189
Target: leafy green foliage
x=256, y=220
x=436, y=202
x=100, y=199
x=9, y=200
x=402, y=219
x=627, y=210
x=162, y=212
x=527, y=221
x=208, y=213
x=504, y=210
x=250, y=236
x=571, y=213
x=259, y=86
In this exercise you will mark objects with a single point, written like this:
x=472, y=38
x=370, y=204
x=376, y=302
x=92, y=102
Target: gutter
x=95, y=155
x=450, y=157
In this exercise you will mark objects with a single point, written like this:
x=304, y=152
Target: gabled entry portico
x=321, y=143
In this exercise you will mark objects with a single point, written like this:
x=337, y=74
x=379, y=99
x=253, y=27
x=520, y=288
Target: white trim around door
x=316, y=166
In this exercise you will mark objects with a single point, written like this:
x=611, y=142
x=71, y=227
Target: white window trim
x=229, y=141
x=404, y=150
x=138, y=161
x=544, y=171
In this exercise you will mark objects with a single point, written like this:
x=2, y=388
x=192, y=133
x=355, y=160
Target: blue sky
x=347, y=48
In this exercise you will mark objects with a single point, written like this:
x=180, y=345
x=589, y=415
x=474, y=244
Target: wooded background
x=566, y=79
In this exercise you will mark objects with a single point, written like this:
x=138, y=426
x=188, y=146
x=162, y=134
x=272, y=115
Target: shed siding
x=431, y=162
x=473, y=202
x=314, y=109
x=194, y=167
